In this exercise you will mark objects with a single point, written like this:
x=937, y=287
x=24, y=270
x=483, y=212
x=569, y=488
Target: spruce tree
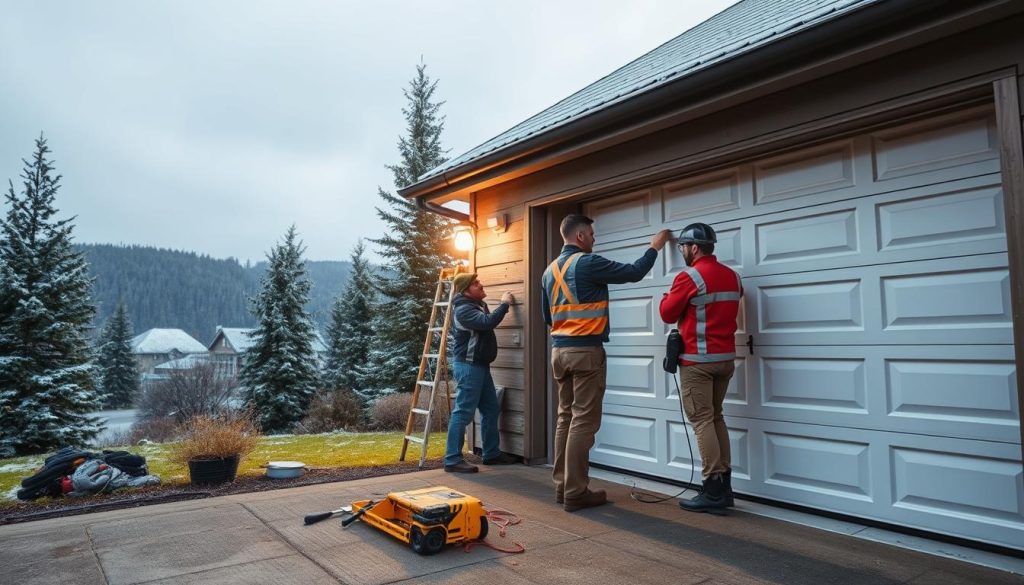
x=351, y=329
x=415, y=247
x=280, y=371
x=47, y=379
x=119, y=375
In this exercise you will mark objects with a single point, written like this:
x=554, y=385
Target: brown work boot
x=588, y=500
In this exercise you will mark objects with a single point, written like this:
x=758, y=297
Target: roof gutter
x=767, y=61
x=424, y=203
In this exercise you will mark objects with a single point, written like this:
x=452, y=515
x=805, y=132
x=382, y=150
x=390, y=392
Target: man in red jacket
x=703, y=302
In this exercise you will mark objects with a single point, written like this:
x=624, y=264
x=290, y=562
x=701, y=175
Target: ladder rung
x=442, y=304
x=421, y=411
x=432, y=355
x=414, y=439
x=436, y=329
x=425, y=383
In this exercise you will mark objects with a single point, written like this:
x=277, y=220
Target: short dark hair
x=706, y=249
x=573, y=222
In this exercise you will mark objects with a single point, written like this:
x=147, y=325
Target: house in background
x=230, y=343
x=156, y=346
x=861, y=161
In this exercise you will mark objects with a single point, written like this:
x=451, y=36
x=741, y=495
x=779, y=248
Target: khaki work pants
x=704, y=387
x=580, y=374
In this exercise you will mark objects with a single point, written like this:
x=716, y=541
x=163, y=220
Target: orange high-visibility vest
x=569, y=317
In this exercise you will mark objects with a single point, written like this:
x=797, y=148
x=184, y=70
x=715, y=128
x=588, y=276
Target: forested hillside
x=170, y=288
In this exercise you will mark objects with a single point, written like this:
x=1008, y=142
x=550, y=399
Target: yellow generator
x=427, y=519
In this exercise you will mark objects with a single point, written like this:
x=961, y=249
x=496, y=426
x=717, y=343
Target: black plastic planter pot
x=213, y=471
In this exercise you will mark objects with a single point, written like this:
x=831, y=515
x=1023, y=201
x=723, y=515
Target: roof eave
x=630, y=118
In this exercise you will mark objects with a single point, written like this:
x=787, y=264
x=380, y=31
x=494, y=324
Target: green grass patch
x=326, y=450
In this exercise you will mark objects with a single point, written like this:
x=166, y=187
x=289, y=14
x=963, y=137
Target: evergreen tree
x=351, y=329
x=415, y=247
x=280, y=371
x=119, y=375
x=47, y=379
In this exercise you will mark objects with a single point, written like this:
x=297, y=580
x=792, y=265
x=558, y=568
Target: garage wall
x=500, y=265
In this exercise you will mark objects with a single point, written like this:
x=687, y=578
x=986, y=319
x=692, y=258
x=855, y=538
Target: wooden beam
x=1011, y=154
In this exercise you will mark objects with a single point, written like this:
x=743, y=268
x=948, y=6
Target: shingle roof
x=240, y=340
x=164, y=341
x=741, y=28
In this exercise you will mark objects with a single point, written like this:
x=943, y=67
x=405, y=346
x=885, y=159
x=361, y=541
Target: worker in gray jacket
x=474, y=347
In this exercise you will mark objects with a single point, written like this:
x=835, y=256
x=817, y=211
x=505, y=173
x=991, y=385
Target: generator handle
x=356, y=516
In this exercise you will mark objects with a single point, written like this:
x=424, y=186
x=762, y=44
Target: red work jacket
x=703, y=303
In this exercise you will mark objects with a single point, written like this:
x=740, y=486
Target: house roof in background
x=165, y=341
x=241, y=341
x=185, y=363
x=742, y=28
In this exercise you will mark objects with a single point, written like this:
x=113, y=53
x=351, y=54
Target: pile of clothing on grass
x=73, y=472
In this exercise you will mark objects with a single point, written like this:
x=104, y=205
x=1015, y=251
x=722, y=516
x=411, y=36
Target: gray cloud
x=213, y=126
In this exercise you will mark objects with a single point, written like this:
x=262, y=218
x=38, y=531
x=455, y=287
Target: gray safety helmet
x=697, y=233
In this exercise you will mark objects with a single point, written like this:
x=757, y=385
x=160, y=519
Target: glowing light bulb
x=463, y=240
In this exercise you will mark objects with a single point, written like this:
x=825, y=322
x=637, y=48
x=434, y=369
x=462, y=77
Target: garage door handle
x=750, y=344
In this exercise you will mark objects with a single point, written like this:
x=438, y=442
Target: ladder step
x=421, y=411
x=436, y=329
x=414, y=439
x=442, y=304
x=432, y=355
x=425, y=383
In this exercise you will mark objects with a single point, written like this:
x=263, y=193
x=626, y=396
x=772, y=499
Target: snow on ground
x=14, y=467
x=12, y=494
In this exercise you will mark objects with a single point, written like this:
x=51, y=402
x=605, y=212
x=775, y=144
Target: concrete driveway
x=259, y=538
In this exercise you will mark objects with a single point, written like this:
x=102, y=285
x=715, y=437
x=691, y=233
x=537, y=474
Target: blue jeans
x=475, y=390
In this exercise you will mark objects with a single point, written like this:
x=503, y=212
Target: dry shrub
x=332, y=410
x=208, y=437
x=390, y=413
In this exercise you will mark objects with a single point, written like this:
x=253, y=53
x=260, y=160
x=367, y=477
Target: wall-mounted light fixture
x=463, y=238
x=498, y=223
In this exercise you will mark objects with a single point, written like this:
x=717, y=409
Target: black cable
x=649, y=498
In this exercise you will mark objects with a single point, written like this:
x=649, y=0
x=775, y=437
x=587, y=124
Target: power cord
x=649, y=498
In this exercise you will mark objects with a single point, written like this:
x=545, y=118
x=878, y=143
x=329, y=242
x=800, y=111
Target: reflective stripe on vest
x=569, y=317
x=699, y=302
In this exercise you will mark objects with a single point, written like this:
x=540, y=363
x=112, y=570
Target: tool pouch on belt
x=673, y=347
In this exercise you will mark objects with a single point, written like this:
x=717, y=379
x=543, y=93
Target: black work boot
x=727, y=477
x=711, y=498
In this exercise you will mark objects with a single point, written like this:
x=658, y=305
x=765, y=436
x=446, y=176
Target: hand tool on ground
x=314, y=518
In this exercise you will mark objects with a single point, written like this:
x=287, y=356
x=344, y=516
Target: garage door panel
x=805, y=172
x=818, y=464
x=683, y=455
x=956, y=484
x=628, y=252
x=836, y=385
x=953, y=391
x=953, y=217
x=808, y=237
x=631, y=437
x=941, y=142
x=623, y=213
x=930, y=302
x=968, y=299
x=706, y=194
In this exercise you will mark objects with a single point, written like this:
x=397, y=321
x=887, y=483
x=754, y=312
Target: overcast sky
x=211, y=126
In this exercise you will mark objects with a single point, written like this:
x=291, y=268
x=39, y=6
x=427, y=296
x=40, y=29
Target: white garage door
x=882, y=383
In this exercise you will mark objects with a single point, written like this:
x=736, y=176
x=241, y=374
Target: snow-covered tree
x=415, y=247
x=280, y=370
x=47, y=379
x=119, y=374
x=351, y=329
